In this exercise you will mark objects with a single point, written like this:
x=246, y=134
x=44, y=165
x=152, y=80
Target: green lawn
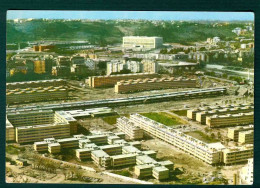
x=180, y=112
x=162, y=117
x=111, y=119
x=122, y=173
x=202, y=136
x=12, y=150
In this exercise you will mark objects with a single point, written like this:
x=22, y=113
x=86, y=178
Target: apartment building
x=32, y=126
x=246, y=137
x=119, y=154
x=161, y=173
x=230, y=119
x=150, y=66
x=209, y=153
x=129, y=86
x=40, y=146
x=54, y=148
x=123, y=160
x=112, y=149
x=247, y=173
x=10, y=131
x=238, y=154
x=111, y=80
x=143, y=171
x=191, y=113
x=35, y=84
x=129, y=128
x=83, y=154
x=68, y=143
x=36, y=94
x=115, y=66
x=234, y=131
x=28, y=134
x=142, y=42
x=201, y=116
x=101, y=158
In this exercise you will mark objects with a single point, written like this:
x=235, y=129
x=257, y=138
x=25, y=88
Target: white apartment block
x=247, y=173
x=209, y=153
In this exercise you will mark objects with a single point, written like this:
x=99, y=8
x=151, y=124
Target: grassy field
x=111, y=119
x=202, y=136
x=180, y=112
x=162, y=117
x=12, y=150
x=122, y=173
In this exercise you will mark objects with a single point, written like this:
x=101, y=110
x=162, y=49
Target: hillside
x=111, y=32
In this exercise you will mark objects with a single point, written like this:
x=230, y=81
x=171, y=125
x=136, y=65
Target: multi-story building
x=134, y=66
x=150, y=66
x=247, y=173
x=201, y=116
x=110, y=81
x=153, y=84
x=34, y=126
x=238, y=154
x=210, y=153
x=234, y=131
x=142, y=42
x=39, y=66
x=119, y=154
x=129, y=128
x=230, y=119
x=246, y=137
x=115, y=66
x=29, y=134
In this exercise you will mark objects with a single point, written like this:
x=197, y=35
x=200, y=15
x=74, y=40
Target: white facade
x=114, y=67
x=247, y=172
x=133, y=66
x=142, y=42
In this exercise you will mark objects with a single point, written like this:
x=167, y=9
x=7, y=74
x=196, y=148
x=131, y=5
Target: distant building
x=142, y=42
x=39, y=66
x=237, y=30
x=150, y=66
x=215, y=40
x=115, y=66
x=134, y=66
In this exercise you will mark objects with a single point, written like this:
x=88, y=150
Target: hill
x=112, y=31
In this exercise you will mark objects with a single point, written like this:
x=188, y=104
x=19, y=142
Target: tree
x=219, y=135
x=163, y=51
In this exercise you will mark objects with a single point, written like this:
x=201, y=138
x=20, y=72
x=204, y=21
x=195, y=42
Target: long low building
x=230, y=119
x=180, y=95
x=35, y=84
x=36, y=94
x=29, y=134
x=111, y=80
x=201, y=116
x=128, y=86
x=25, y=127
x=191, y=113
x=238, y=154
x=211, y=153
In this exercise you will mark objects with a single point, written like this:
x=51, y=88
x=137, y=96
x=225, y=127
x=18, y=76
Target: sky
x=148, y=15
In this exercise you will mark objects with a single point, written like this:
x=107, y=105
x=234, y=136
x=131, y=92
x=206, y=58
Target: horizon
x=131, y=15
